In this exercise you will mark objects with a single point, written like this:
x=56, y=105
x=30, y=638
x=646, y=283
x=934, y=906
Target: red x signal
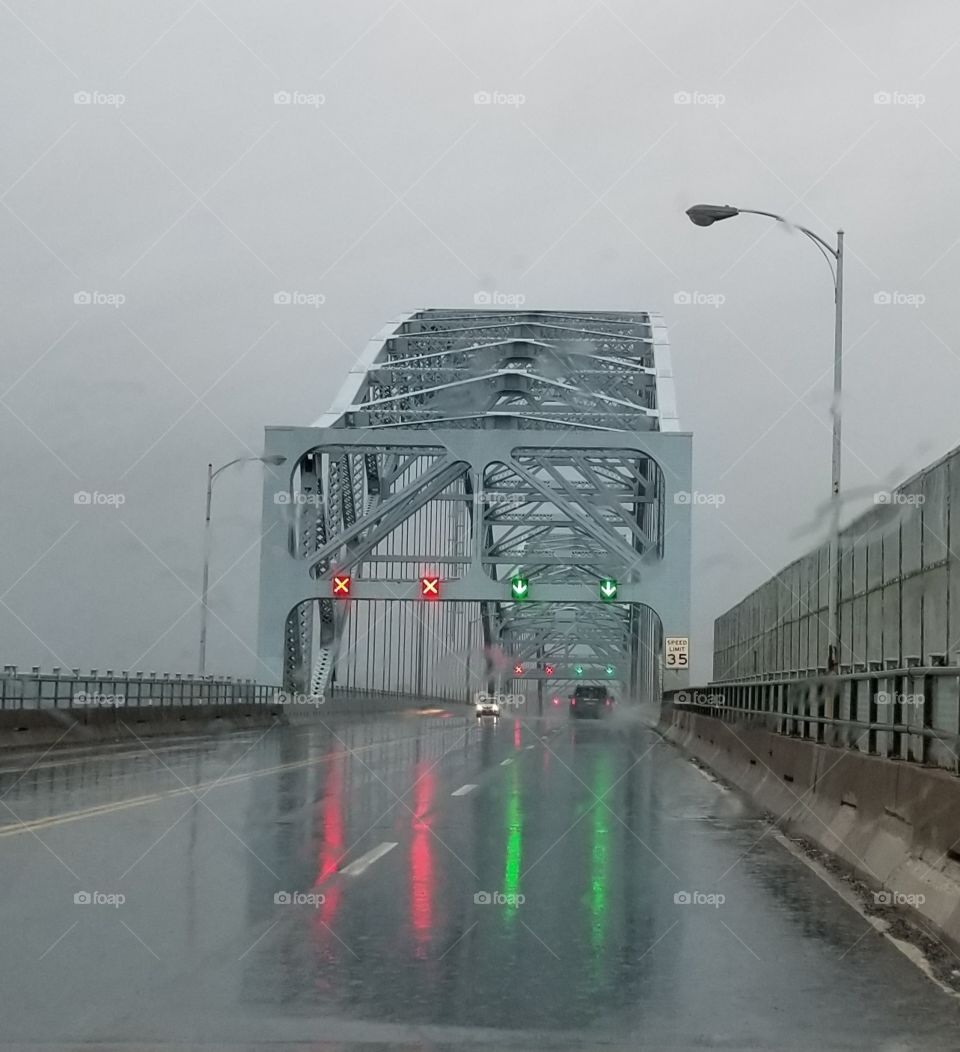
x=430, y=587
x=548, y=669
x=341, y=585
x=518, y=670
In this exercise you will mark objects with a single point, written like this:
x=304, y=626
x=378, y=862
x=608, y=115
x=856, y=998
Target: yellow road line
x=75, y=760
x=169, y=794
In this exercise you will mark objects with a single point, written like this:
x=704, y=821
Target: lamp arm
x=826, y=250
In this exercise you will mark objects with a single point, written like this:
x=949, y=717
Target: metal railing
x=910, y=714
x=75, y=690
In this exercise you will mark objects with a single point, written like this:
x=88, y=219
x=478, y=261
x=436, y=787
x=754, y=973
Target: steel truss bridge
x=448, y=524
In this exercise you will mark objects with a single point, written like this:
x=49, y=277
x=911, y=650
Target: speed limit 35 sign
x=676, y=652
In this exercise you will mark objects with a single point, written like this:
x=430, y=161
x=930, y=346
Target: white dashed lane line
x=364, y=862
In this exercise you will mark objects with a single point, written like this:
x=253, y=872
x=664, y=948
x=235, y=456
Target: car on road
x=487, y=705
x=590, y=702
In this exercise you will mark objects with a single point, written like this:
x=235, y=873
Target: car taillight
x=573, y=701
x=609, y=701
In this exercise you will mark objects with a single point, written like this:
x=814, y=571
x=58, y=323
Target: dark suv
x=590, y=702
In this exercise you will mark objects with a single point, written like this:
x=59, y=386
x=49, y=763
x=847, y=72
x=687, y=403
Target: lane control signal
x=519, y=588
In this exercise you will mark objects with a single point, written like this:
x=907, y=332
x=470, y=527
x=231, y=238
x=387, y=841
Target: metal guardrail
x=73, y=690
x=910, y=714
x=109, y=690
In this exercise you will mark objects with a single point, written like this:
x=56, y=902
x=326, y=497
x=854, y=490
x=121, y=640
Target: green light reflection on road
x=599, y=864
x=514, y=848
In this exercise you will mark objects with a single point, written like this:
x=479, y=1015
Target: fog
x=169, y=168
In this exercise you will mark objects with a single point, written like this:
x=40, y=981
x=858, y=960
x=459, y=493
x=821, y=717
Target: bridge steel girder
x=483, y=444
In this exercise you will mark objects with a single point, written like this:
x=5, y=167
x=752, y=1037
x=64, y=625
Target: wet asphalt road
x=328, y=885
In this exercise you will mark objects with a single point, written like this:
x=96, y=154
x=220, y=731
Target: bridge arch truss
x=477, y=447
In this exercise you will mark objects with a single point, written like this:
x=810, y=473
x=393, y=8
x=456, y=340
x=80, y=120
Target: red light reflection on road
x=422, y=883
x=332, y=846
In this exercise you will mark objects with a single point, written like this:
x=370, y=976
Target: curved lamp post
x=707, y=215
x=211, y=475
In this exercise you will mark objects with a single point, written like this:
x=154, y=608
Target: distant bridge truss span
x=528, y=467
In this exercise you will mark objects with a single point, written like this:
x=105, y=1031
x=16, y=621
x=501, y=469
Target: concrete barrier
x=895, y=824
x=28, y=727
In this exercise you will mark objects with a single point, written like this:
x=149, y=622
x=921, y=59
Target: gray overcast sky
x=196, y=198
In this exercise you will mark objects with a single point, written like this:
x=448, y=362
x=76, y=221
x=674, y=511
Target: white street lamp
x=707, y=215
x=211, y=475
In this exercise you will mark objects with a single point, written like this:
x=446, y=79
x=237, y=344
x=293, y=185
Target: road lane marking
x=364, y=862
x=883, y=927
x=531, y=746
x=99, y=758
x=463, y=790
x=29, y=825
x=709, y=777
x=503, y=763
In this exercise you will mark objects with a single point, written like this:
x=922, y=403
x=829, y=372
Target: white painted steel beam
x=475, y=446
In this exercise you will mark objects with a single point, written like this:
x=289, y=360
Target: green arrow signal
x=610, y=670
x=519, y=587
x=578, y=670
x=608, y=589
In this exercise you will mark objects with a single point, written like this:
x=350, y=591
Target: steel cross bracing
x=477, y=446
